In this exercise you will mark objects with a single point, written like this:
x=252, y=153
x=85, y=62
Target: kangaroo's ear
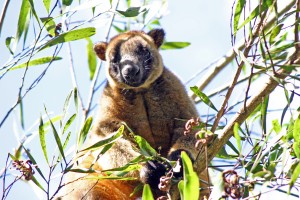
x=158, y=36
x=100, y=49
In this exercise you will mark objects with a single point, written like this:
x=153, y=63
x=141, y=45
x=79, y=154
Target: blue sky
x=205, y=24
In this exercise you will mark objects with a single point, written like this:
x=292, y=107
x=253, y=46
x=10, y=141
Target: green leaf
x=76, y=99
x=49, y=24
x=34, y=12
x=38, y=61
x=85, y=129
x=66, y=105
x=70, y=36
x=264, y=110
x=57, y=138
x=174, y=45
x=38, y=184
x=92, y=60
x=69, y=122
x=144, y=146
x=7, y=43
x=276, y=126
x=296, y=131
x=203, y=97
x=147, y=193
x=106, y=141
x=67, y=140
x=191, y=181
x=275, y=31
x=34, y=163
x=132, y=11
x=282, y=48
x=47, y=5
x=237, y=136
x=237, y=14
x=23, y=20
x=295, y=176
x=256, y=12
x=67, y=2
x=42, y=139
x=119, y=30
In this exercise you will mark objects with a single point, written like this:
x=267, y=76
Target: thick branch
x=242, y=115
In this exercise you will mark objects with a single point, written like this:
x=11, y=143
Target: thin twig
x=3, y=13
x=223, y=62
x=238, y=72
x=97, y=71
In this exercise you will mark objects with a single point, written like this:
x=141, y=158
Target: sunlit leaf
x=144, y=146
x=66, y=105
x=274, y=33
x=38, y=61
x=67, y=140
x=47, y=4
x=296, y=131
x=42, y=139
x=67, y=2
x=34, y=12
x=24, y=18
x=276, y=126
x=147, y=193
x=92, y=60
x=106, y=141
x=57, y=138
x=174, y=45
x=295, y=176
x=132, y=11
x=69, y=122
x=8, y=41
x=85, y=129
x=37, y=183
x=190, y=178
x=203, y=97
x=256, y=12
x=264, y=110
x=237, y=136
x=237, y=13
x=71, y=36
x=49, y=24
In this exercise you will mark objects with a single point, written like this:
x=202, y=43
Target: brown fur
x=156, y=110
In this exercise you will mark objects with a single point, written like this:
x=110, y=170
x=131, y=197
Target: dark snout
x=131, y=73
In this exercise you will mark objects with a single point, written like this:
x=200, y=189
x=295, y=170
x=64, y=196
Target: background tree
x=259, y=106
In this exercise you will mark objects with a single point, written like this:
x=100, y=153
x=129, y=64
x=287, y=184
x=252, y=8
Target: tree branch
x=224, y=61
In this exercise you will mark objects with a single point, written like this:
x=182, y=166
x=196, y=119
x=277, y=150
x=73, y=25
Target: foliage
x=263, y=156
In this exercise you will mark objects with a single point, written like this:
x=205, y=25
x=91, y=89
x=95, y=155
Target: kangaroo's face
x=133, y=58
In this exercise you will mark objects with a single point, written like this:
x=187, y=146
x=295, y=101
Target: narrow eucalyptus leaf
x=24, y=18
x=85, y=129
x=70, y=36
x=47, y=5
x=49, y=24
x=237, y=14
x=144, y=146
x=106, y=141
x=42, y=139
x=38, y=61
x=174, y=45
x=191, y=180
x=147, y=193
x=67, y=2
x=203, y=97
x=92, y=60
x=8, y=41
x=132, y=11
